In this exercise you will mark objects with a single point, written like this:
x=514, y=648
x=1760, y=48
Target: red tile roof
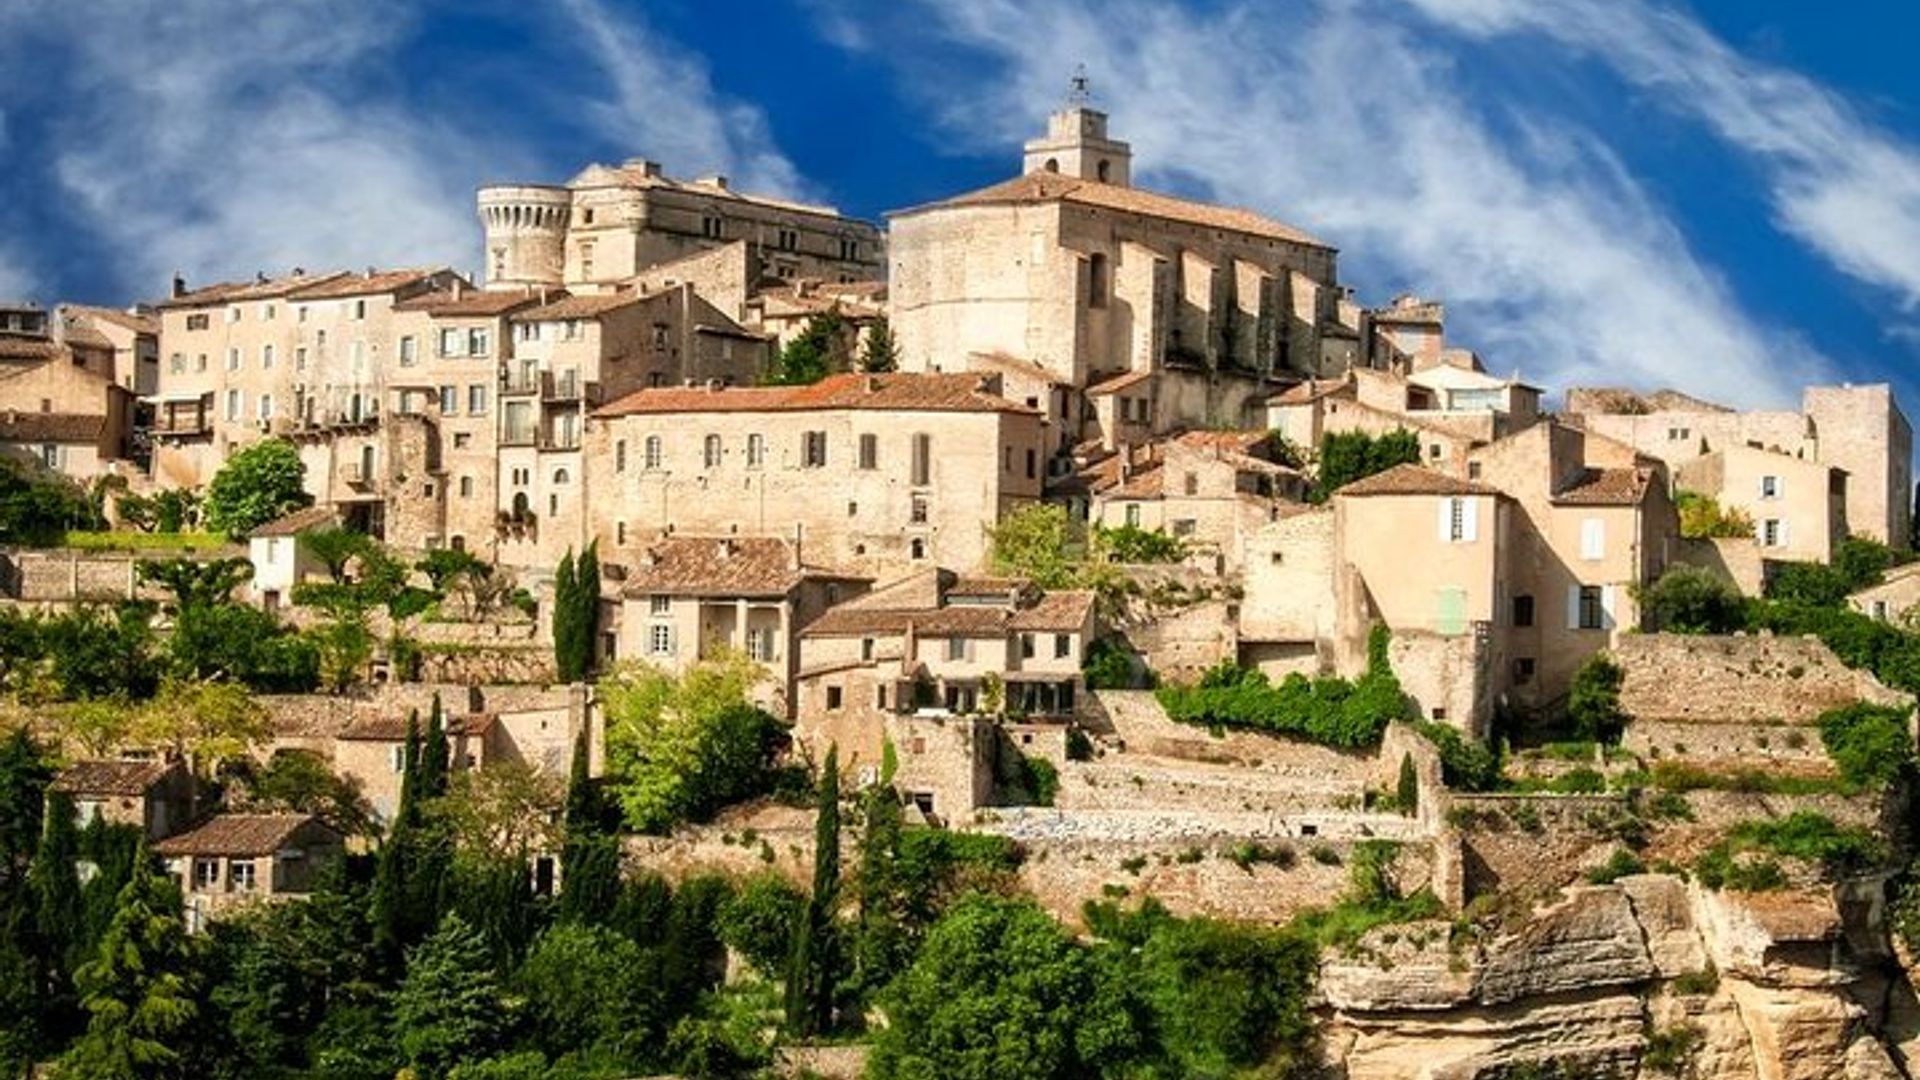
x=721, y=566
x=1307, y=392
x=244, y=835
x=447, y=303
x=392, y=727
x=590, y=306
x=39, y=427
x=963, y=392
x=1065, y=610
x=371, y=283
x=311, y=517
x=1052, y=187
x=1118, y=382
x=1621, y=486
x=138, y=322
x=16, y=347
x=104, y=777
x=231, y=291
x=1414, y=480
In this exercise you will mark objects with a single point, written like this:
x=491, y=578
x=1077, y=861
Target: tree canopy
x=260, y=483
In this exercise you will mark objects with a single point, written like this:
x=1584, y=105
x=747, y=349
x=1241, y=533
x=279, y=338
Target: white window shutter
x=1470, y=520
x=1573, y=607
x=1593, y=538
x=1607, y=594
x=1784, y=542
x=1446, y=520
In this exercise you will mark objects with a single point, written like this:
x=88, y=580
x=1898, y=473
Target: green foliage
x=681, y=746
x=244, y=644
x=1836, y=851
x=880, y=353
x=37, y=508
x=1040, y=779
x=1593, y=703
x=1702, y=517
x=1108, y=665
x=139, y=989
x=95, y=652
x=1406, y=789
x=1465, y=764
x=1869, y=744
x=195, y=583
x=336, y=548
x=1690, y=600
x=298, y=782
x=1671, y=1051
x=759, y=921
x=1858, y=640
x=255, y=486
x=1331, y=711
x=450, y=1007
x=1346, y=456
x=590, y=989
x=824, y=346
x=814, y=965
x=1622, y=863
x=1133, y=544
x=1036, y=542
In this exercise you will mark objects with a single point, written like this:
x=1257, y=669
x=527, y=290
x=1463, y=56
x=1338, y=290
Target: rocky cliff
x=1648, y=977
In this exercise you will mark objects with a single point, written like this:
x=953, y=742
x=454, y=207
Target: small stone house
x=236, y=858
x=153, y=796
x=372, y=752
x=280, y=560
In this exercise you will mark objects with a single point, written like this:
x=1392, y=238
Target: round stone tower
x=526, y=231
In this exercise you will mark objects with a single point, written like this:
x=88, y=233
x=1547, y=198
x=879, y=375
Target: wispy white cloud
x=1337, y=116
x=663, y=103
x=1841, y=185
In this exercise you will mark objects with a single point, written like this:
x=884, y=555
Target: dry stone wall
x=1738, y=679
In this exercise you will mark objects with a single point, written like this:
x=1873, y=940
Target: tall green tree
x=881, y=353
x=435, y=760
x=566, y=615
x=589, y=856
x=824, y=346
x=195, y=583
x=255, y=486
x=450, y=1007
x=813, y=973
x=139, y=989
x=390, y=880
x=586, y=573
x=57, y=901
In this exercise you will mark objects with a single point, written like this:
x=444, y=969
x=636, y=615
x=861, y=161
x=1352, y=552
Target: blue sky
x=1724, y=197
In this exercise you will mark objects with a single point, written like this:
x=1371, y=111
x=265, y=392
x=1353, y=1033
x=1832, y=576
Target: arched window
x=521, y=508
x=653, y=452
x=1101, y=170
x=458, y=543
x=711, y=451
x=562, y=477
x=1052, y=165
x=1096, y=280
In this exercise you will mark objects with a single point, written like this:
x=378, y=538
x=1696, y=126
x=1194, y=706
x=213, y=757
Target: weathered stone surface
x=1600, y=1031
x=1773, y=939
x=1586, y=942
x=1867, y=1059
x=1665, y=914
x=1796, y=1034
x=1409, y=967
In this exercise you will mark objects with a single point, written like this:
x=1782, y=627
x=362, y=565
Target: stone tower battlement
x=526, y=233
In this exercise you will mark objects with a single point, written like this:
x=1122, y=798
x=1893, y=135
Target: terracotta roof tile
x=105, y=777
x=1307, y=392
x=1118, y=383
x=446, y=303
x=137, y=321
x=1607, y=487
x=1414, y=480
x=589, y=306
x=720, y=566
x=311, y=517
x=18, y=347
x=1063, y=610
x=238, y=834
x=963, y=392
x=392, y=726
x=228, y=292
x=1052, y=187
x=372, y=283
x=27, y=427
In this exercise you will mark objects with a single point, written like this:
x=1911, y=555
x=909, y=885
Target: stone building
x=133, y=336
x=1451, y=405
x=684, y=598
x=234, y=859
x=1798, y=507
x=280, y=560
x=569, y=358
x=1083, y=279
x=612, y=222
x=1893, y=598
x=60, y=404
x=922, y=662
x=1857, y=430
x=877, y=472
x=153, y=796
x=305, y=355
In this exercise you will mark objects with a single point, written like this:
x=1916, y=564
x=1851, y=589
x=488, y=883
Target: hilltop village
x=1063, y=633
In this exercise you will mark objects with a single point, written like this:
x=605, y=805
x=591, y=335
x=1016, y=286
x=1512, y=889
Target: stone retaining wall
x=1738, y=679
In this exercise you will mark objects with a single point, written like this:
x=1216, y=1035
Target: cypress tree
x=589, y=856
x=566, y=610
x=56, y=897
x=434, y=761
x=390, y=873
x=139, y=988
x=586, y=620
x=812, y=973
x=881, y=353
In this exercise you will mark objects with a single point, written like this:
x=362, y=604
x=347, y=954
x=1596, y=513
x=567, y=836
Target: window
x=759, y=644
x=266, y=356
x=449, y=400
x=1133, y=515
x=561, y=478
x=956, y=648
x=320, y=339
x=1770, y=487
x=466, y=487
x=197, y=322
x=814, y=450
x=233, y=315
x=1026, y=646
x=1523, y=669
x=833, y=699
x=659, y=337
x=1062, y=646
x=586, y=260
x=917, y=510
x=870, y=451
x=1097, y=281
x=1459, y=520
x=233, y=359
x=1435, y=451
x=866, y=648
x=1773, y=533
x=788, y=239
x=570, y=330
x=712, y=227
x=1185, y=526
x=849, y=249
x=1880, y=610
x=922, y=459
x=1473, y=470
x=240, y=874
x=233, y=404
x=620, y=533
x=359, y=309
x=1593, y=539
x=756, y=451
x=916, y=549
x=1590, y=608
x=1032, y=464
x=300, y=358
x=177, y=363
x=620, y=455
x=200, y=362
x=266, y=407
x=650, y=452
x=476, y=399
x=409, y=351
x=479, y=342
x=660, y=639
x=206, y=873
x=710, y=452
x=659, y=606
x=1523, y=611
x=880, y=698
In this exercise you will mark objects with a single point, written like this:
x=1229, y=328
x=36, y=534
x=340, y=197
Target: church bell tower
x=1076, y=143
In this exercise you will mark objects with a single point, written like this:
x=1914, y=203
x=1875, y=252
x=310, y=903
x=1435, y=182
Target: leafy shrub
x=1133, y=544
x=1593, y=703
x=1622, y=863
x=1670, y=1051
x=1690, y=600
x=1347, y=456
x=1331, y=711
x=1702, y=517
x=1108, y=665
x=1465, y=764
x=1804, y=835
x=1079, y=746
x=1869, y=744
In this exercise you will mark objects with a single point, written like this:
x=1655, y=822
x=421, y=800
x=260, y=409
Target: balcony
x=517, y=437
x=563, y=439
x=525, y=381
x=567, y=389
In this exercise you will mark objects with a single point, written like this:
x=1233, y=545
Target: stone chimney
x=458, y=288
x=795, y=562
x=179, y=284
